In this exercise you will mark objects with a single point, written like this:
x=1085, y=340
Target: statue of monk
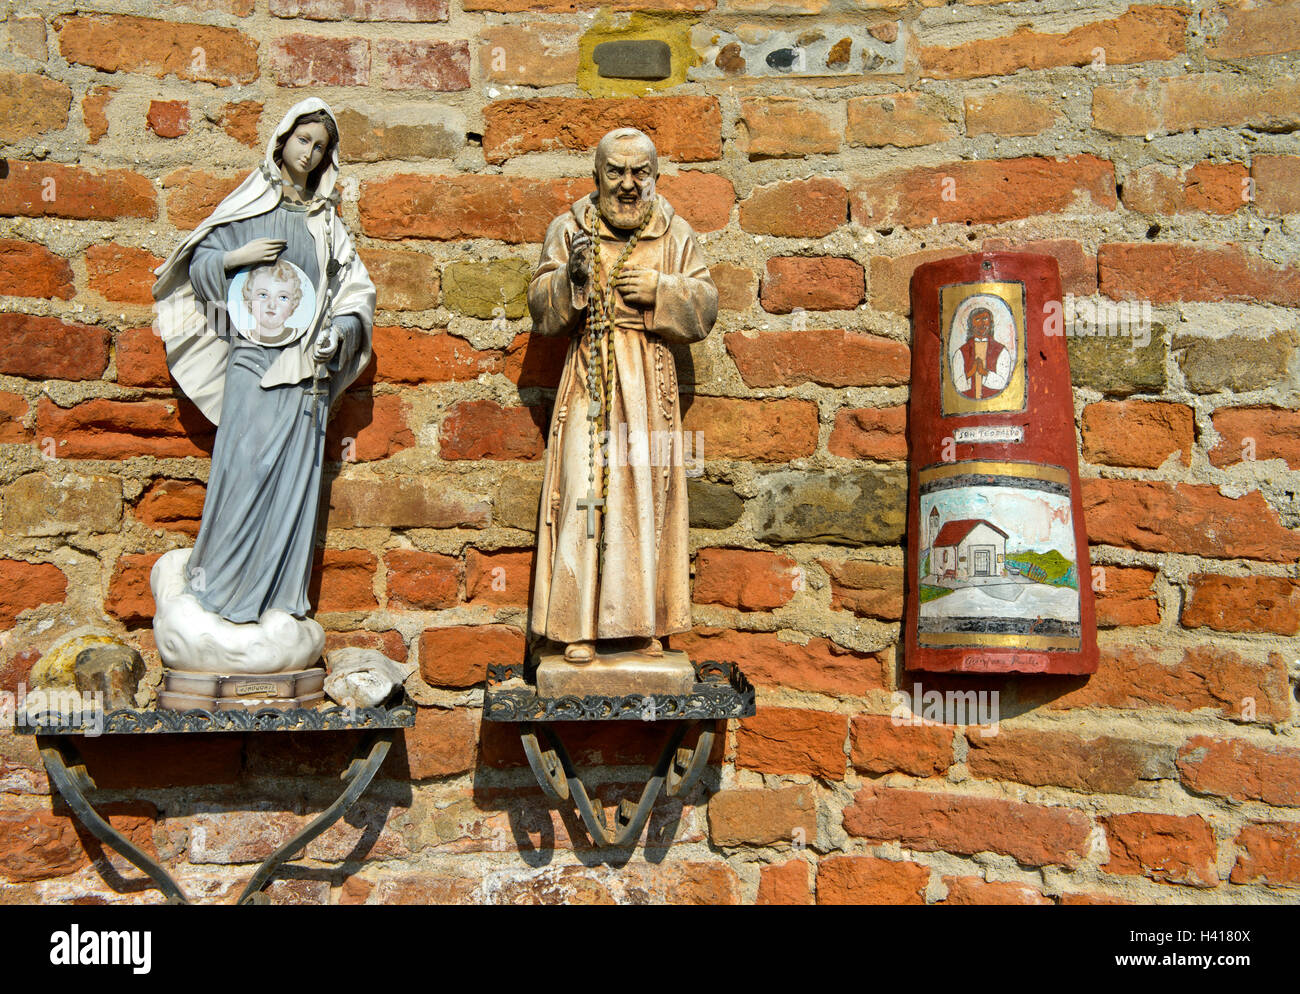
x=621, y=275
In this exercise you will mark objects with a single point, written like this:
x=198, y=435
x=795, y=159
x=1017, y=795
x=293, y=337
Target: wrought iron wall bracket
x=68, y=774
x=721, y=692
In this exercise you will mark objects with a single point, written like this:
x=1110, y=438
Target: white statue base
x=193, y=639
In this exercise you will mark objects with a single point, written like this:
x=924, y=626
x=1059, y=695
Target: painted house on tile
x=968, y=547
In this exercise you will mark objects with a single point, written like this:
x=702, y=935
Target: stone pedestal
x=614, y=674
x=183, y=691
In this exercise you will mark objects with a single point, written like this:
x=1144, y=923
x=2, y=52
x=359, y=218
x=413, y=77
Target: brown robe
x=645, y=587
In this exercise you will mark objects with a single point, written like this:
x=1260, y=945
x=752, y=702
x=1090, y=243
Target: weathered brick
x=1142, y=34
x=27, y=36
x=1235, y=362
x=459, y=655
x=26, y=585
x=112, y=429
x=422, y=581
x=869, y=590
x=684, y=129
x=1008, y=112
x=678, y=883
x=878, y=745
x=122, y=273
x=344, y=581
x=499, y=577
x=1118, y=366
x=1185, y=518
x=442, y=743
x=404, y=280
x=784, y=884
x=904, y=120
x=958, y=823
x=31, y=270
x=192, y=195
x=1200, y=100
x=433, y=66
x=407, y=131
x=38, y=845
x=390, y=643
x=93, y=107
x=984, y=191
x=420, y=11
x=1104, y=764
x=808, y=208
x=851, y=506
x=176, y=505
x=240, y=119
x=1239, y=770
x=1213, y=187
x=744, y=579
x=313, y=60
x=141, y=359
x=13, y=414
x=50, y=189
x=119, y=43
x=702, y=199
x=830, y=358
x=786, y=127
x=38, y=504
x=1250, y=433
x=376, y=426
x=483, y=429
x=41, y=348
x=874, y=433
x=814, y=283
x=168, y=118
x=31, y=105
x=1268, y=853
x=512, y=209
x=425, y=502
x=1167, y=848
x=763, y=817
x=1136, y=433
x=977, y=891
x=755, y=430
x=129, y=597
x=1078, y=269
x=1243, y=604
x=1243, y=28
x=867, y=880
x=821, y=666
x=539, y=53
x=791, y=740
x=1126, y=599
x=1276, y=184
x=737, y=286
x=568, y=6
x=891, y=278
x=487, y=289
x=409, y=355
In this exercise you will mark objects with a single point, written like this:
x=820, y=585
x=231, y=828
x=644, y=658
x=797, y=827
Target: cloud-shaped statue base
x=192, y=638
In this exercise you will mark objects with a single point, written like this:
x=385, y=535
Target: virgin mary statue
x=266, y=313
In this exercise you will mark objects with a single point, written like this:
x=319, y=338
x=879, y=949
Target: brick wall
x=1150, y=148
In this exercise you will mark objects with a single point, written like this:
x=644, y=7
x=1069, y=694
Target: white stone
x=363, y=678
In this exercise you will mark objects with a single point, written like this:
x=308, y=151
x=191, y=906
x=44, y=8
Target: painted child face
x=625, y=181
x=304, y=150
x=272, y=303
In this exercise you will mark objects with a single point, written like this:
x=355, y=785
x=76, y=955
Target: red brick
x=809, y=208
x=1213, y=187
x=1162, y=273
x=958, y=823
x=240, y=119
x=1142, y=34
x=536, y=360
x=568, y=6
x=784, y=884
x=790, y=740
x=758, y=430
x=1197, y=100
x=377, y=426
x=26, y=585
x=1268, y=853
x=875, y=433
x=815, y=283
x=1136, y=433
x=41, y=348
x=1103, y=764
x=744, y=579
x=31, y=270
x=176, y=505
x=38, y=845
x=1256, y=433
x=442, y=743
x=867, y=880
x=483, y=429
x=13, y=412
x=786, y=127
x=984, y=191
x=500, y=577
x=1091, y=899
x=408, y=355
x=828, y=358
x=702, y=199
x=436, y=66
x=113, y=43
x=1185, y=518
x=312, y=60
x=878, y=745
x=1239, y=770
x=345, y=581
x=390, y=642
x=1240, y=29
x=1243, y=604
x=422, y=11
x=1167, y=848
x=404, y=280
x=121, y=273
x=422, y=581
x=141, y=359
x=512, y=209
x=49, y=189
x=904, y=120
x=458, y=656
x=684, y=129
x=1276, y=184
x=192, y=195
x=778, y=817
x=129, y=597
x=93, y=107
x=168, y=118
x=869, y=590
x=1127, y=598
x=820, y=667
x=113, y=429
x=977, y=891
x=1078, y=270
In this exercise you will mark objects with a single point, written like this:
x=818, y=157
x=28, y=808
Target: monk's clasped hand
x=637, y=286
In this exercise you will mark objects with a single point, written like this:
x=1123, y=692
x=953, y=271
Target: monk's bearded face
x=625, y=183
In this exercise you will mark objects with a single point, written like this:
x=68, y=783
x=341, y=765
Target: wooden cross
x=589, y=504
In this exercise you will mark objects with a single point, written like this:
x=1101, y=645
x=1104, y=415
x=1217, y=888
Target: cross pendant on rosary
x=589, y=504
x=316, y=392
